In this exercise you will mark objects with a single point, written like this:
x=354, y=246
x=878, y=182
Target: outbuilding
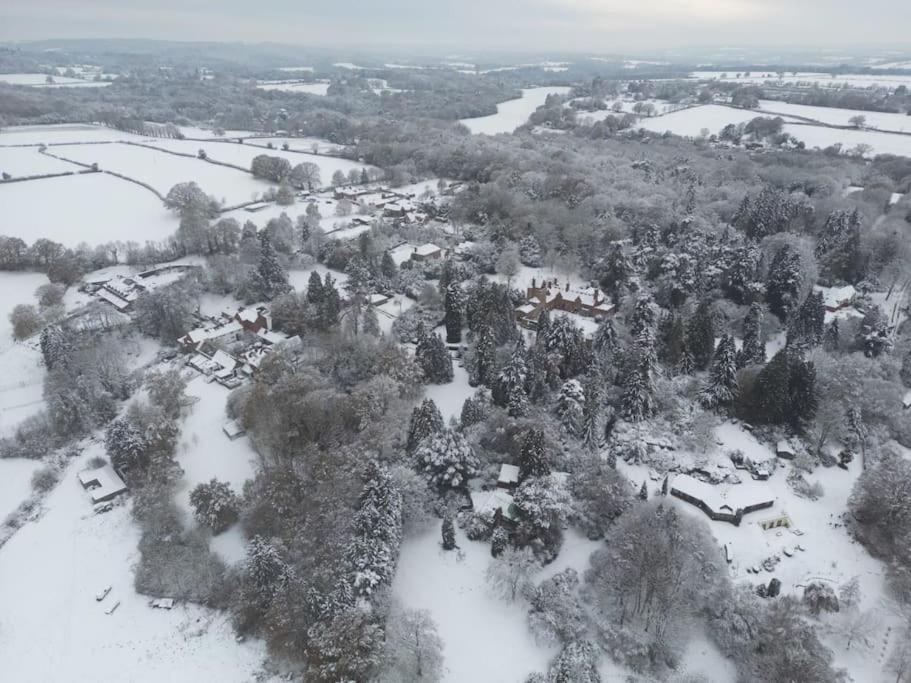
x=103, y=484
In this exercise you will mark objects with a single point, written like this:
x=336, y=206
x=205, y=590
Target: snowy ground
x=512, y=113
x=301, y=144
x=40, y=81
x=450, y=397
x=21, y=370
x=308, y=88
x=93, y=208
x=823, y=79
x=26, y=161
x=15, y=483
x=162, y=171
x=713, y=117
x=839, y=117
x=61, y=133
x=242, y=155
x=53, y=630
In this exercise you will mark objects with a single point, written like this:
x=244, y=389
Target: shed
x=488, y=502
x=103, y=483
x=509, y=476
x=233, y=430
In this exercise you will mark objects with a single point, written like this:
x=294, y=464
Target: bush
x=45, y=479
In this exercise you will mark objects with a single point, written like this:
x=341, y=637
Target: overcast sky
x=602, y=26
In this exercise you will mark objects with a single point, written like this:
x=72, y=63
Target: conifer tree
x=509, y=389
x=314, y=288
x=388, y=267
x=700, y=336
x=591, y=431
x=783, y=282
x=426, y=421
x=377, y=532
x=721, y=387
x=453, y=303
x=643, y=492
x=330, y=305
x=532, y=456
x=447, y=459
x=570, y=404
x=433, y=357
x=448, y=534
x=638, y=399
x=753, y=350
x=542, y=330
x=831, y=337
x=270, y=279
x=482, y=370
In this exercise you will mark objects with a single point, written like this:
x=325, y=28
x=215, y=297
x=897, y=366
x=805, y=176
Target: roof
x=509, y=474
x=720, y=498
x=223, y=360
x=232, y=429
x=213, y=332
x=426, y=249
x=104, y=483
x=784, y=446
x=116, y=301
x=487, y=502
x=834, y=297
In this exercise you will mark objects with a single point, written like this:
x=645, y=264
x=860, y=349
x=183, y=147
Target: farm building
x=716, y=503
x=103, y=484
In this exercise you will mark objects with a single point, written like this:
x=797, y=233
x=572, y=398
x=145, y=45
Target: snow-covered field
x=93, y=208
x=52, y=630
x=40, y=80
x=512, y=113
x=15, y=483
x=807, y=77
x=713, y=117
x=307, y=88
x=839, y=117
x=26, y=161
x=302, y=144
x=62, y=133
x=162, y=170
x=242, y=155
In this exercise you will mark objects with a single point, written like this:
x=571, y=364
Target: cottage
x=837, y=298
x=426, y=252
x=509, y=477
x=254, y=319
x=488, y=502
x=103, y=484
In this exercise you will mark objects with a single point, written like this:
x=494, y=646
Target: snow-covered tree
x=591, y=413
x=700, y=336
x=533, y=460
x=509, y=575
x=509, y=389
x=543, y=503
x=447, y=459
x=447, y=532
x=638, y=399
x=474, y=409
x=377, y=531
x=570, y=407
x=215, y=505
x=413, y=650
x=555, y=614
x=530, y=251
x=433, y=357
x=56, y=346
x=453, y=303
x=269, y=279
x=576, y=663
x=483, y=358
x=783, y=282
x=565, y=339
x=753, y=350
x=721, y=387
x=426, y=421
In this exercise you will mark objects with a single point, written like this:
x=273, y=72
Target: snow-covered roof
x=720, y=499
x=232, y=429
x=835, y=297
x=249, y=315
x=213, y=332
x=487, y=502
x=426, y=249
x=103, y=483
x=377, y=299
x=223, y=360
x=271, y=337
x=509, y=474
x=784, y=446
x=116, y=301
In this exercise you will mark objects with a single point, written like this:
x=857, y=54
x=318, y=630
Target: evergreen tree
x=542, y=330
x=721, y=387
x=433, y=357
x=753, y=350
x=590, y=416
x=638, y=399
x=426, y=421
x=783, y=282
x=532, y=456
x=831, y=336
x=371, y=323
x=509, y=389
x=447, y=459
x=484, y=359
x=700, y=336
x=315, y=289
x=808, y=325
x=270, y=279
x=643, y=492
x=566, y=340
x=570, y=404
x=329, y=307
x=605, y=342
x=453, y=303
x=785, y=390
x=448, y=534
x=56, y=347
x=474, y=410
x=687, y=364
x=388, y=267
x=377, y=532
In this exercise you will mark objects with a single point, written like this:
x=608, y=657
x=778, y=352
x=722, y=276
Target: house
x=837, y=298
x=254, y=319
x=715, y=502
x=551, y=296
x=426, y=252
x=509, y=477
x=119, y=291
x=488, y=502
x=103, y=484
x=233, y=430
x=219, y=329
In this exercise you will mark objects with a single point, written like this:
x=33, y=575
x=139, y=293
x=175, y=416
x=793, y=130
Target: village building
x=551, y=296
x=488, y=502
x=426, y=252
x=103, y=484
x=837, y=298
x=715, y=503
